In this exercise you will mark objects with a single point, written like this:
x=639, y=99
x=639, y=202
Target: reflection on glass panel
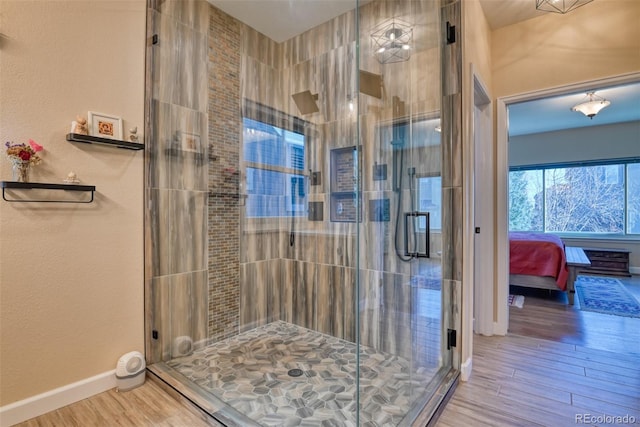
x=633, y=198
x=585, y=199
x=525, y=200
x=273, y=189
x=430, y=200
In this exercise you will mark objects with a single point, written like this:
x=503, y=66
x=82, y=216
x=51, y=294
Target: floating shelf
x=13, y=185
x=88, y=139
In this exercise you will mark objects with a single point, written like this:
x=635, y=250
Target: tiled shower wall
x=246, y=273
x=176, y=173
x=224, y=193
x=312, y=282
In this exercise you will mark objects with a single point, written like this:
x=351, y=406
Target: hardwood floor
x=145, y=406
x=523, y=381
x=556, y=364
x=547, y=315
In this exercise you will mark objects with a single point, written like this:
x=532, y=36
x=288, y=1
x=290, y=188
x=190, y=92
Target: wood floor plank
x=512, y=387
x=602, y=407
x=462, y=413
x=587, y=387
x=515, y=358
x=144, y=406
x=608, y=361
x=518, y=409
x=618, y=377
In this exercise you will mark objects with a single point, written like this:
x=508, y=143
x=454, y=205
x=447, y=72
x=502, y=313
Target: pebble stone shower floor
x=250, y=372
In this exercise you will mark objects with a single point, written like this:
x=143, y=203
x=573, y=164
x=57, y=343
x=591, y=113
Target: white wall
x=600, y=39
x=478, y=184
x=614, y=141
x=71, y=275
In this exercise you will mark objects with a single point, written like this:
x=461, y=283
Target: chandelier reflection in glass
x=560, y=6
x=391, y=41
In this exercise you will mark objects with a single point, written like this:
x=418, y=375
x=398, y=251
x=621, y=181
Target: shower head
x=371, y=84
x=306, y=102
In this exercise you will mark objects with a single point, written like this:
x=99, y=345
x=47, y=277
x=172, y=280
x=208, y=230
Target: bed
x=538, y=260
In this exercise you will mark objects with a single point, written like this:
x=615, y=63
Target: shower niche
x=344, y=192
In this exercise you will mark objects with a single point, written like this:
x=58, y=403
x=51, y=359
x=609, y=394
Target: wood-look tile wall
x=176, y=178
x=317, y=286
x=312, y=281
x=254, y=274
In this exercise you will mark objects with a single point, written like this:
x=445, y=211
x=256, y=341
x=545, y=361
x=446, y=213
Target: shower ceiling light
x=391, y=41
x=591, y=105
x=560, y=6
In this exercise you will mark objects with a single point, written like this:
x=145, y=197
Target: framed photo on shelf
x=105, y=125
x=190, y=142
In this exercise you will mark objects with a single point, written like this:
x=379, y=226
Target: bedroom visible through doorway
x=563, y=181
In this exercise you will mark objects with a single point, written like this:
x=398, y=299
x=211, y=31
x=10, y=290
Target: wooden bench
x=576, y=259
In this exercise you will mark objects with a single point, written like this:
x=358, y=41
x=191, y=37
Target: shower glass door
x=297, y=223
x=404, y=304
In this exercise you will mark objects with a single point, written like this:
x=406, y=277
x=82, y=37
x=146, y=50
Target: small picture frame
x=105, y=125
x=190, y=142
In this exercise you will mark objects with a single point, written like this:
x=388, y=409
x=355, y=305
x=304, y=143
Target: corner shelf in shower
x=88, y=139
x=14, y=185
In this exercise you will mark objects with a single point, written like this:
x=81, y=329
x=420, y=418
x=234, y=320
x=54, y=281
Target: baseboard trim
x=634, y=270
x=31, y=407
x=465, y=369
x=499, y=329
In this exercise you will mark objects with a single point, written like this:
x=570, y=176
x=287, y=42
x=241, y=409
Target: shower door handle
x=413, y=216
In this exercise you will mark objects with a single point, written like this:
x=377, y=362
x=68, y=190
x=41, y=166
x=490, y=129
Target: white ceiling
x=554, y=113
x=281, y=20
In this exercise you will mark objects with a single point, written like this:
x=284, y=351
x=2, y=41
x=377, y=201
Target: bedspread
x=538, y=254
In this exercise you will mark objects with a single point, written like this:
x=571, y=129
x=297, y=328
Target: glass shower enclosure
x=302, y=252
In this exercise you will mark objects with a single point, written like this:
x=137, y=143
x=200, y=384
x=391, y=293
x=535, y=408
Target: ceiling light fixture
x=591, y=105
x=391, y=41
x=560, y=6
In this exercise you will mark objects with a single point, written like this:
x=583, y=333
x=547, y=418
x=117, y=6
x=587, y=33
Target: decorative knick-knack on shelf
x=22, y=156
x=133, y=134
x=71, y=178
x=79, y=126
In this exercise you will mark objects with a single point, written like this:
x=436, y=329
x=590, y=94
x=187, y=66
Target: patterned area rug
x=606, y=295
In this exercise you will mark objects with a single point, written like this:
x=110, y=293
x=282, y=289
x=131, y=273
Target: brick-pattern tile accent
x=224, y=205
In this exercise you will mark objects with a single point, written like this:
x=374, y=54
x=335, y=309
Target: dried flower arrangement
x=23, y=152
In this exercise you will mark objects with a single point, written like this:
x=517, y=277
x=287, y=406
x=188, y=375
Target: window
x=275, y=169
x=592, y=199
x=430, y=200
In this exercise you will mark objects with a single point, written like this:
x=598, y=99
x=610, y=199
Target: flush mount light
x=391, y=41
x=560, y=6
x=591, y=105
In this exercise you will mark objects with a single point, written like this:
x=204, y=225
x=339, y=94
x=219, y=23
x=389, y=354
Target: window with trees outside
x=593, y=199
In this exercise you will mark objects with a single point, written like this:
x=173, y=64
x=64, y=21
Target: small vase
x=21, y=170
